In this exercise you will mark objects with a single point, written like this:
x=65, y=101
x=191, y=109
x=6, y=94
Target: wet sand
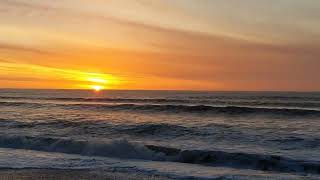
x=48, y=174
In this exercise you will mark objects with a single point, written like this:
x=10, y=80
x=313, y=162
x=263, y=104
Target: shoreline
x=53, y=174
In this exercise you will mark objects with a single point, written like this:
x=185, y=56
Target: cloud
x=23, y=79
x=143, y=50
x=13, y=71
x=20, y=48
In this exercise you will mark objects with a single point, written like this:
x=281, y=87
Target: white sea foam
x=26, y=159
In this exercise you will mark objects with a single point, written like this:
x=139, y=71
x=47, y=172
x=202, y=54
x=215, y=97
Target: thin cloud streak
x=69, y=36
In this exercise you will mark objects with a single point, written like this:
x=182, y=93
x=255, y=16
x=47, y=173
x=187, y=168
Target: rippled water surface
x=262, y=131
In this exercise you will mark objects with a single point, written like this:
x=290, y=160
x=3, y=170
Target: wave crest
x=125, y=149
x=224, y=110
x=116, y=148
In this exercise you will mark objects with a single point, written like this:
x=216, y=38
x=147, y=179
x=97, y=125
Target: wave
x=239, y=160
x=22, y=104
x=222, y=110
x=210, y=131
x=227, y=101
x=297, y=142
x=125, y=149
x=157, y=129
x=259, y=96
x=148, y=129
x=116, y=148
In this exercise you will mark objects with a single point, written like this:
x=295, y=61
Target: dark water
x=261, y=131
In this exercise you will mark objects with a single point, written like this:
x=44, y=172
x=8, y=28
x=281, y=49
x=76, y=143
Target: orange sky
x=160, y=44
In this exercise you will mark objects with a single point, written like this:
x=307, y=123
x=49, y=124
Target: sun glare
x=97, y=80
x=97, y=87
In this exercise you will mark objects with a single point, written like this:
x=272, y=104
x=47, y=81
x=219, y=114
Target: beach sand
x=48, y=174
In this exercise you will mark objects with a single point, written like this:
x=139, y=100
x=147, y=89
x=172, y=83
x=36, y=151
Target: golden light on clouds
x=125, y=44
x=57, y=77
x=97, y=80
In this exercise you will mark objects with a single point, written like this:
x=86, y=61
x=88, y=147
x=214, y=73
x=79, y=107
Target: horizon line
x=185, y=90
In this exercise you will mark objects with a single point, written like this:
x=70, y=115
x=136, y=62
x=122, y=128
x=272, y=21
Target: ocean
x=175, y=134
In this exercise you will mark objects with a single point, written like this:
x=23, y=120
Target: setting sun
x=97, y=81
x=97, y=87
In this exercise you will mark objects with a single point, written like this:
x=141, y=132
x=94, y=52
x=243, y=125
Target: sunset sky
x=160, y=44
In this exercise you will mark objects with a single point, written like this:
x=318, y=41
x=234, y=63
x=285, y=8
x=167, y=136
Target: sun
x=98, y=82
x=97, y=88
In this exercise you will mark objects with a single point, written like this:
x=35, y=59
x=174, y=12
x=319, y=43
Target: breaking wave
x=125, y=149
x=116, y=148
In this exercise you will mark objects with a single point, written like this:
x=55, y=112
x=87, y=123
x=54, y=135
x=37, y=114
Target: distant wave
x=215, y=101
x=285, y=97
x=147, y=129
x=223, y=110
x=171, y=108
x=125, y=149
x=297, y=142
x=22, y=104
x=158, y=129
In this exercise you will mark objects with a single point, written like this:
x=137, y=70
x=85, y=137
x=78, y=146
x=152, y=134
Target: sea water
x=177, y=134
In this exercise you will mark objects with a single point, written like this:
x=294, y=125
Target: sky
x=247, y=45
